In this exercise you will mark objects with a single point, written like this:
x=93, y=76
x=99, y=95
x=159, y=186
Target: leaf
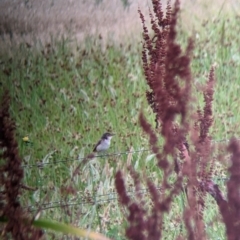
x=85, y=95
x=48, y=157
x=136, y=165
x=150, y=157
x=68, y=229
x=64, y=228
x=36, y=195
x=113, y=92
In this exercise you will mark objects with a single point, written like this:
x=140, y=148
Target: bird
x=104, y=143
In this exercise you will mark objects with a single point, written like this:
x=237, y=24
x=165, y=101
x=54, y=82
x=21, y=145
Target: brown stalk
x=168, y=75
x=18, y=224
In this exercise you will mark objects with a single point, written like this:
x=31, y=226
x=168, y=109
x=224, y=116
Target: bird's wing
x=95, y=148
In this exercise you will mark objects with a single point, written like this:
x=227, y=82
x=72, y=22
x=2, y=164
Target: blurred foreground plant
x=18, y=223
x=187, y=150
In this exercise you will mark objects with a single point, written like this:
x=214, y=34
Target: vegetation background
x=74, y=71
x=118, y=18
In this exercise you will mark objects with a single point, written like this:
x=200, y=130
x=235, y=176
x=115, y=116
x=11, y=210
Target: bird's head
x=107, y=135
